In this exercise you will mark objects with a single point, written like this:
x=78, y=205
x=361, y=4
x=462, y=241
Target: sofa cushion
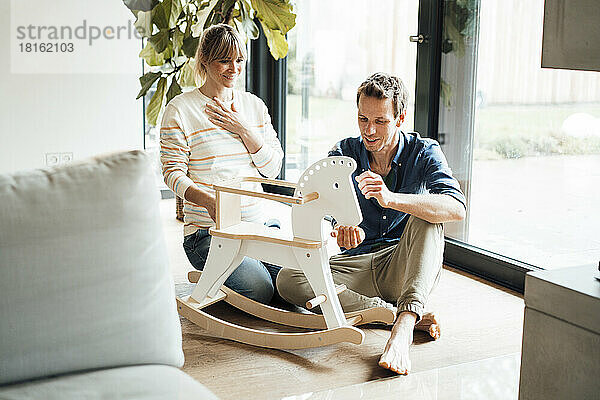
x=84, y=275
x=159, y=382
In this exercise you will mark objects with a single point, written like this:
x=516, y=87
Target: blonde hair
x=217, y=42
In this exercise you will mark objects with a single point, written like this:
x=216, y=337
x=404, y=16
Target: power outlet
x=52, y=159
x=66, y=158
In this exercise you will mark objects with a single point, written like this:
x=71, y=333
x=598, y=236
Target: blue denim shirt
x=419, y=166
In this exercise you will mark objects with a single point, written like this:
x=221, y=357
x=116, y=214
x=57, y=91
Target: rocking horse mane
x=311, y=174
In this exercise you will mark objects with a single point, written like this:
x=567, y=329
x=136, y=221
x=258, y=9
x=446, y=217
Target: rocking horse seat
x=254, y=231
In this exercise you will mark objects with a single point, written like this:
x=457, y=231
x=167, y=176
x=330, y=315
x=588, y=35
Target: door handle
x=417, y=38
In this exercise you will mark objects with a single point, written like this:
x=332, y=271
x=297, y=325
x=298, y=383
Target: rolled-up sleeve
x=174, y=152
x=269, y=158
x=438, y=175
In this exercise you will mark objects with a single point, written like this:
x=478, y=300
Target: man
x=406, y=191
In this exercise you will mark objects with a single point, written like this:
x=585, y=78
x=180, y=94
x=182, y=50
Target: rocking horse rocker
x=325, y=188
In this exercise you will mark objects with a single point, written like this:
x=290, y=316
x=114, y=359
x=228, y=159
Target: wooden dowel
x=310, y=197
x=312, y=303
x=269, y=196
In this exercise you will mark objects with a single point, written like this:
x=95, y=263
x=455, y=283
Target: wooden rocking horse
x=325, y=188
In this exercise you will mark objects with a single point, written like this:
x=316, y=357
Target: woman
x=214, y=133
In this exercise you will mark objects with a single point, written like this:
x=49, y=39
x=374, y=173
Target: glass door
x=524, y=141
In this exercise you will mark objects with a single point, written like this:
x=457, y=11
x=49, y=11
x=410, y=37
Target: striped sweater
x=194, y=151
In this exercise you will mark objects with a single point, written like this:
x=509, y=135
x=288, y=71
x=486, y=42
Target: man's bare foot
x=395, y=355
x=430, y=325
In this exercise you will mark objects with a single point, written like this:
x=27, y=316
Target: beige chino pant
x=403, y=273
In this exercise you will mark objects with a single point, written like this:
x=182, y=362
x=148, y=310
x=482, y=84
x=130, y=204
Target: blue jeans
x=252, y=278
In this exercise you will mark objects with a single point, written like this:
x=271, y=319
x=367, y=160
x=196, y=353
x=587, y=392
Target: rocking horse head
x=331, y=179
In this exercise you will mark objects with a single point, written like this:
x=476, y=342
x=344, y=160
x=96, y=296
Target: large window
x=334, y=47
x=524, y=141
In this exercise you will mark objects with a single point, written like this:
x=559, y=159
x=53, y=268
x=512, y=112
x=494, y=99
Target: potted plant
x=173, y=29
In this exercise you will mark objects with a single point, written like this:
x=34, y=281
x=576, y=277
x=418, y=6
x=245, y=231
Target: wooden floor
x=479, y=321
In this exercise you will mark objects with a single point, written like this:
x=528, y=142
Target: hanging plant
x=173, y=29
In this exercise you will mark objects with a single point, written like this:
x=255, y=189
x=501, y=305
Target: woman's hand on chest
x=230, y=119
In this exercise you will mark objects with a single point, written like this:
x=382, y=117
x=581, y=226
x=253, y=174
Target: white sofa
x=87, y=304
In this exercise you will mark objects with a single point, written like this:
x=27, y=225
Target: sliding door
x=524, y=142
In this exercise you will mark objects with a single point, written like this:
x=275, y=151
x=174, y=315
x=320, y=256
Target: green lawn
x=515, y=131
x=501, y=131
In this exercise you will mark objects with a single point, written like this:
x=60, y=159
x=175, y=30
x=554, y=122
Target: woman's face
x=224, y=72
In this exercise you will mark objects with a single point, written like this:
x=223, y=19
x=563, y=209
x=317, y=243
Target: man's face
x=377, y=123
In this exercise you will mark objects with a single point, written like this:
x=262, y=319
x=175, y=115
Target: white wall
x=85, y=114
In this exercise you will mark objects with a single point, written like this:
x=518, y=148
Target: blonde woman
x=213, y=133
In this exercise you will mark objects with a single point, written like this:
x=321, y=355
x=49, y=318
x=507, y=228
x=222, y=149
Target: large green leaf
x=201, y=16
x=173, y=91
x=159, y=16
x=190, y=44
x=156, y=102
x=168, y=52
x=140, y=5
x=177, y=42
x=186, y=76
x=174, y=13
x=160, y=40
x=276, y=41
x=276, y=14
x=166, y=14
x=151, y=57
x=143, y=22
x=146, y=82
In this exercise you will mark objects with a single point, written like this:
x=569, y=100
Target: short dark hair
x=384, y=86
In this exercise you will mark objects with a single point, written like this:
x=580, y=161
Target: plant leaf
x=143, y=22
x=166, y=14
x=168, y=53
x=160, y=40
x=190, y=44
x=187, y=75
x=177, y=42
x=201, y=17
x=247, y=22
x=146, y=82
x=218, y=13
x=151, y=57
x=174, y=12
x=140, y=5
x=159, y=16
x=276, y=41
x=155, y=104
x=275, y=14
x=173, y=91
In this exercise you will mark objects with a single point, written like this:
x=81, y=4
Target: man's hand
x=372, y=185
x=348, y=237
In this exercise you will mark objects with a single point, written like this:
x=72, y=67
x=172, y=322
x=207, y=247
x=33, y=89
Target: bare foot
x=395, y=355
x=429, y=324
